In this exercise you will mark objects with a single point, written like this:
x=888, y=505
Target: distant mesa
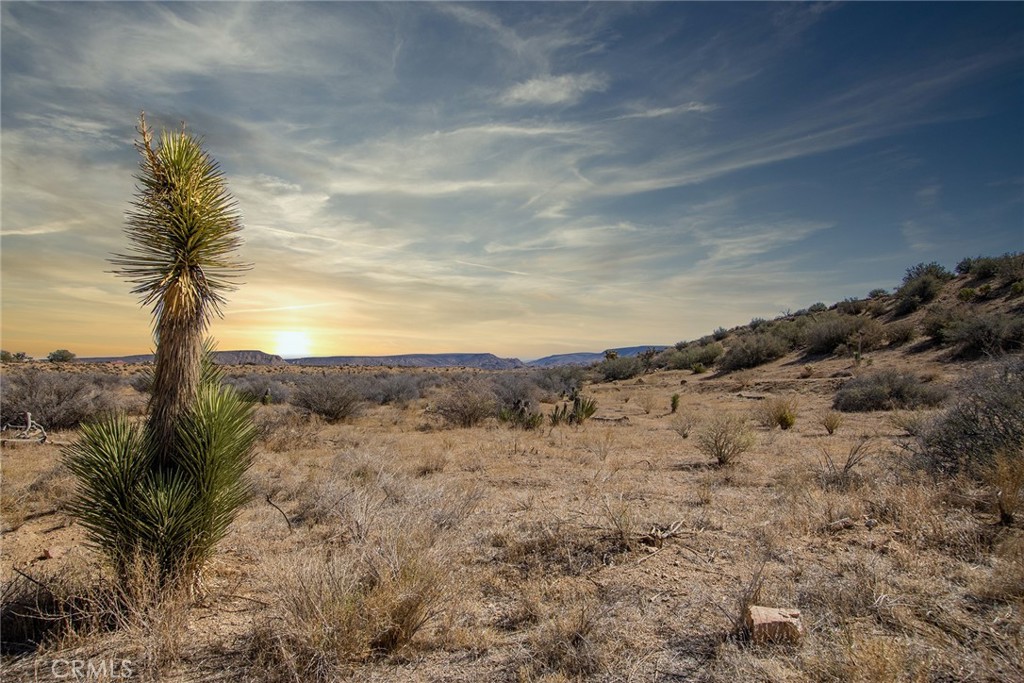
x=587, y=358
x=483, y=361
x=219, y=357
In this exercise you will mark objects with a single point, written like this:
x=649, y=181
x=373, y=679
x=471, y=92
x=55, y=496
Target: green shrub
x=620, y=367
x=776, y=412
x=967, y=294
x=987, y=334
x=720, y=333
x=674, y=407
x=986, y=418
x=60, y=356
x=877, y=293
x=1017, y=288
x=852, y=306
x=829, y=331
x=932, y=269
x=900, y=333
x=693, y=354
x=576, y=411
x=751, y=351
x=887, y=390
x=939, y=320
x=818, y=307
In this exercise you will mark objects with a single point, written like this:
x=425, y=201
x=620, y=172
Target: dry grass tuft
x=776, y=412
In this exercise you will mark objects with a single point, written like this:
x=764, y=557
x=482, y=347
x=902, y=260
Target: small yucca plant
x=166, y=491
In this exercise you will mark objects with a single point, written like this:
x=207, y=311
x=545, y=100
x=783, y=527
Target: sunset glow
x=292, y=344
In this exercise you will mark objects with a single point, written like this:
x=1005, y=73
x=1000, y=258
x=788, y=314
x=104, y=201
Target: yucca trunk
x=176, y=375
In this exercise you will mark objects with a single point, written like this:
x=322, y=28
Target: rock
x=774, y=625
x=52, y=553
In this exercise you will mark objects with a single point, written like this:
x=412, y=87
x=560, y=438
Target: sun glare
x=291, y=343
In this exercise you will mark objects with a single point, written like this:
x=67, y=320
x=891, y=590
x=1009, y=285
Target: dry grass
x=611, y=551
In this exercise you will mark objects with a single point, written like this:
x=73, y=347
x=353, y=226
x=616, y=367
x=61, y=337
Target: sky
x=516, y=178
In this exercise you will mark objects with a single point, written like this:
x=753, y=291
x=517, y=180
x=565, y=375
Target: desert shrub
x=829, y=331
x=851, y=306
x=921, y=285
x=751, y=351
x=259, y=389
x=901, y=332
x=817, y=307
x=693, y=354
x=792, y=332
x=776, y=412
x=1010, y=267
x=57, y=400
x=967, y=294
x=621, y=367
x=514, y=391
x=878, y=293
x=986, y=418
x=566, y=642
x=720, y=333
x=395, y=389
x=576, y=411
x=724, y=437
x=831, y=420
x=938, y=321
x=345, y=610
x=1017, y=288
x=60, y=356
x=887, y=390
x=332, y=397
x=987, y=334
x=933, y=269
x=835, y=474
x=466, y=402
x=674, y=404
x=559, y=381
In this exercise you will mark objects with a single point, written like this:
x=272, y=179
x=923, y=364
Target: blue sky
x=523, y=179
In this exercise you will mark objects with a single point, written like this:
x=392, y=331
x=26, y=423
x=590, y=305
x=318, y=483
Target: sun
x=291, y=343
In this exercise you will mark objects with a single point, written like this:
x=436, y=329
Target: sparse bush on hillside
x=818, y=307
x=691, y=355
x=852, y=306
x=829, y=331
x=900, y=333
x=887, y=390
x=57, y=400
x=720, y=333
x=332, y=397
x=938, y=320
x=987, y=418
x=878, y=293
x=987, y=334
x=921, y=285
x=751, y=351
x=466, y=402
x=618, y=368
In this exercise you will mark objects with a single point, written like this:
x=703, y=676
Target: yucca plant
x=167, y=490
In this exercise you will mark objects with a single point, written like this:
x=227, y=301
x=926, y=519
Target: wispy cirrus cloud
x=552, y=90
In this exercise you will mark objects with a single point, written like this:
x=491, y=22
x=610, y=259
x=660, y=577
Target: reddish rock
x=774, y=625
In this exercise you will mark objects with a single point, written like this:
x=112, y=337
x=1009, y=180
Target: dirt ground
x=612, y=551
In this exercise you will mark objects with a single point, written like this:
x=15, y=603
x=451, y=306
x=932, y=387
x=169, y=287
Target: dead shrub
x=724, y=437
x=840, y=475
x=332, y=397
x=344, y=610
x=57, y=400
x=567, y=640
x=1005, y=477
x=466, y=403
